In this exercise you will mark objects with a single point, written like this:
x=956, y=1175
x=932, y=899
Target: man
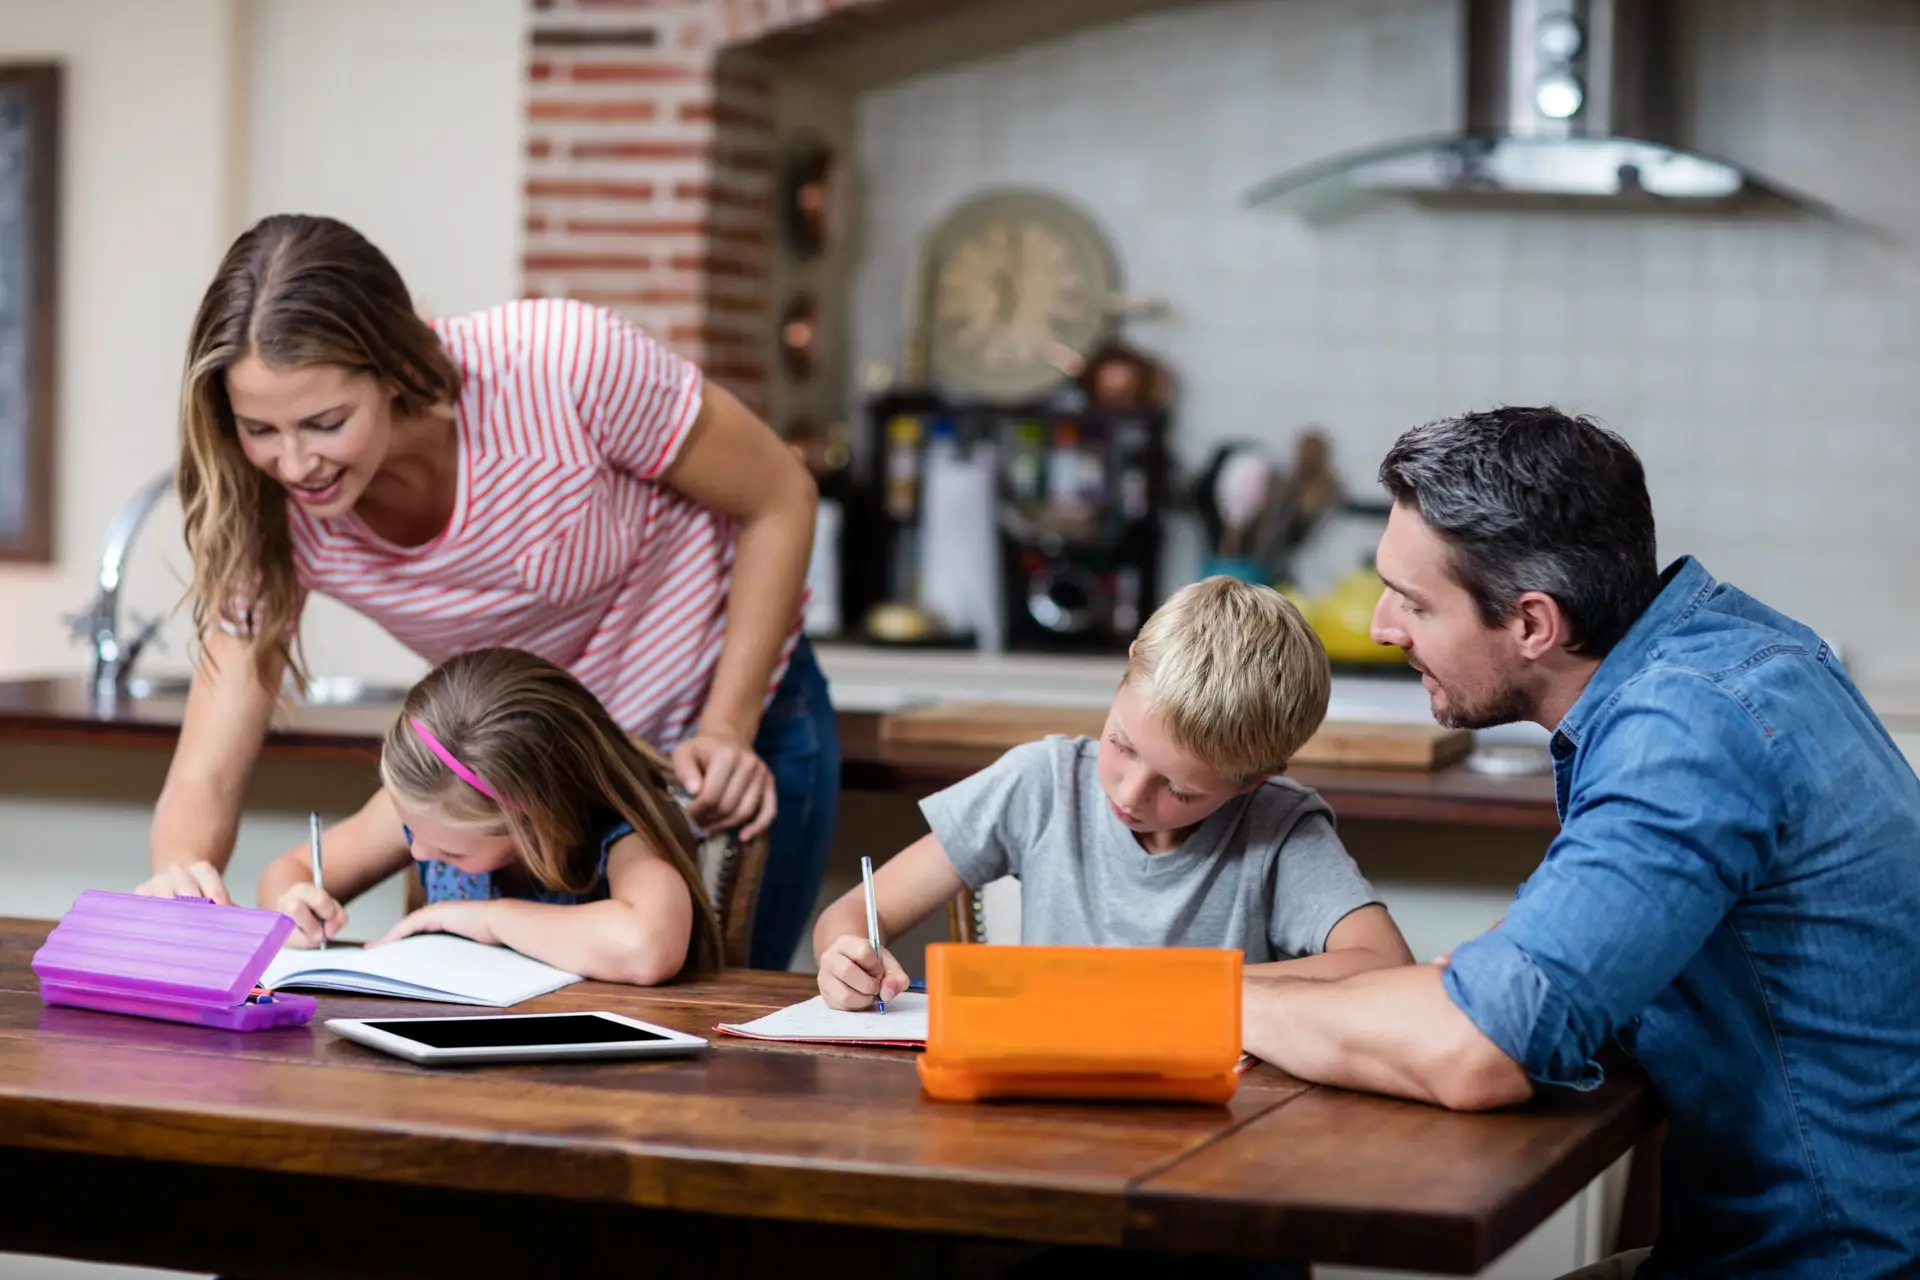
x=1734, y=895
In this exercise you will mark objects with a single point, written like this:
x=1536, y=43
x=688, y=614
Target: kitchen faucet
x=99, y=626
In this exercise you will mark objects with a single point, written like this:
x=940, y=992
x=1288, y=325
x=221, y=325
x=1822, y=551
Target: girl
x=535, y=822
x=540, y=475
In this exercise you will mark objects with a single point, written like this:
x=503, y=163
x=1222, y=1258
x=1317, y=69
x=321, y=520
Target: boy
x=1175, y=829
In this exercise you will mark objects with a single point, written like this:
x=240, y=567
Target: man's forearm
x=1391, y=1031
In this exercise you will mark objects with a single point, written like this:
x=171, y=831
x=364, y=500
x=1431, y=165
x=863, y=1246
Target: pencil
x=313, y=846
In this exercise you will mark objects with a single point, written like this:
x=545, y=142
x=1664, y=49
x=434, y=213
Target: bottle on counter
x=903, y=466
x=832, y=468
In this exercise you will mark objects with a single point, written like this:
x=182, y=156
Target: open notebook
x=426, y=966
x=903, y=1025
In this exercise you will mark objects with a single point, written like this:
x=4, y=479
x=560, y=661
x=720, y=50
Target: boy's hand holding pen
x=859, y=973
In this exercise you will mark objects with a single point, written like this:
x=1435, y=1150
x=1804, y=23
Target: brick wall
x=651, y=166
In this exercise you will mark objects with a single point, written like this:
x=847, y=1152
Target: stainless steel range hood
x=1570, y=103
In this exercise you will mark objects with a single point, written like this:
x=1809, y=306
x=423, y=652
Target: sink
x=146, y=687
x=347, y=691
x=322, y=691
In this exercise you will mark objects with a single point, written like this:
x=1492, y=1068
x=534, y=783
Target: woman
x=541, y=475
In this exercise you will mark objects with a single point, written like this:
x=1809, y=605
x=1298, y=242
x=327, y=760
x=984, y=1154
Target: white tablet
x=516, y=1037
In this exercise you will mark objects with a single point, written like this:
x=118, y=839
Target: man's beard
x=1504, y=705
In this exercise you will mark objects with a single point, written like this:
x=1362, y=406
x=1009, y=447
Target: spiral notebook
x=902, y=1026
x=426, y=966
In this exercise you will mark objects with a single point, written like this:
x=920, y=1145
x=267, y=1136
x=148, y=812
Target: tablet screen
x=511, y=1031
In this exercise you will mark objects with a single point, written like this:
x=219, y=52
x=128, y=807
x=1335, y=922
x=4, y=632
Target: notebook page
x=426, y=966
x=904, y=1022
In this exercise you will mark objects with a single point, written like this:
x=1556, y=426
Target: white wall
x=1768, y=373
x=185, y=121
x=405, y=121
x=146, y=193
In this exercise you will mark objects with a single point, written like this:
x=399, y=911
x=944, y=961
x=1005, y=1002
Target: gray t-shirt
x=1265, y=873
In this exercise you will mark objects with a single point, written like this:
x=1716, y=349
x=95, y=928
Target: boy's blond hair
x=1237, y=678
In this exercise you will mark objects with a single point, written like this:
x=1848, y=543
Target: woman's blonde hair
x=1235, y=674
x=542, y=742
x=295, y=291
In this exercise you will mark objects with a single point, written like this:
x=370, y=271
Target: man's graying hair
x=1532, y=499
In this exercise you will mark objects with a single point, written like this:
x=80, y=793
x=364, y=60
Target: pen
x=313, y=844
x=873, y=920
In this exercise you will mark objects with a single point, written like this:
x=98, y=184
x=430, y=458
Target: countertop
x=870, y=683
x=59, y=710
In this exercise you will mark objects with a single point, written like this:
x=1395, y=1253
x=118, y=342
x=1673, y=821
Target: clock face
x=1014, y=277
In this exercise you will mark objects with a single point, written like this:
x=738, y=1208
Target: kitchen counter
x=58, y=710
x=879, y=678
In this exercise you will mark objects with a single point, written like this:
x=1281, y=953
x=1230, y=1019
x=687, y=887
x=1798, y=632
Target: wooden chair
x=970, y=911
x=732, y=872
x=966, y=914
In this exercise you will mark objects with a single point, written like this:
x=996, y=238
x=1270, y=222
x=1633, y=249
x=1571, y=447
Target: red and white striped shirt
x=563, y=541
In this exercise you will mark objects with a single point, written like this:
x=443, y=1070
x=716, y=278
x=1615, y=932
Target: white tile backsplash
x=1768, y=369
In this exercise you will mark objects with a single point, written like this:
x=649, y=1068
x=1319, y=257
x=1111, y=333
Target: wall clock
x=1014, y=284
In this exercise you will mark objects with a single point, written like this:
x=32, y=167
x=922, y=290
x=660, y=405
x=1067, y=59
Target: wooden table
x=290, y=1152
x=61, y=711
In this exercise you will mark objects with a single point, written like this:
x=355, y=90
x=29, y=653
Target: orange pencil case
x=1121, y=1023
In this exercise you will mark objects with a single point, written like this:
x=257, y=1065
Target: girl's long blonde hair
x=540, y=739
x=295, y=291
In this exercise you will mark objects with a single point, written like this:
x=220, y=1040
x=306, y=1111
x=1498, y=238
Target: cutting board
x=999, y=726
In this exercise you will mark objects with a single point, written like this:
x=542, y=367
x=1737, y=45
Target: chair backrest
x=731, y=871
x=990, y=913
x=965, y=922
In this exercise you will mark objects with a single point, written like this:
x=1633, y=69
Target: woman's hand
x=730, y=785
x=192, y=879
x=316, y=915
x=467, y=918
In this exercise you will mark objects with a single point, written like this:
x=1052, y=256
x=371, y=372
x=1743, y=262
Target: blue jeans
x=800, y=741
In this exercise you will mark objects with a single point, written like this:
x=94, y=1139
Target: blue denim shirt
x=1734, y=896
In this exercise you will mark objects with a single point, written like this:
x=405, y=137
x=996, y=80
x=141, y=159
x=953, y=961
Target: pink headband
x=465, y=774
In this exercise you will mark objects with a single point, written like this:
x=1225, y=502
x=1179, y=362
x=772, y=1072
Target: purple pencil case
x=181, y=959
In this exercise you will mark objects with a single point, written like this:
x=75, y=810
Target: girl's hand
x=315, y=914
x=730, y=785
x=469, y=919
x=851, y=975
x=194, y=880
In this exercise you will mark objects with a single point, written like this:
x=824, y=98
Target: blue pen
x=918, y=984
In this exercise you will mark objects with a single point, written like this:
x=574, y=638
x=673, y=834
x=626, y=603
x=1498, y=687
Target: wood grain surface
x=778, y=1148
